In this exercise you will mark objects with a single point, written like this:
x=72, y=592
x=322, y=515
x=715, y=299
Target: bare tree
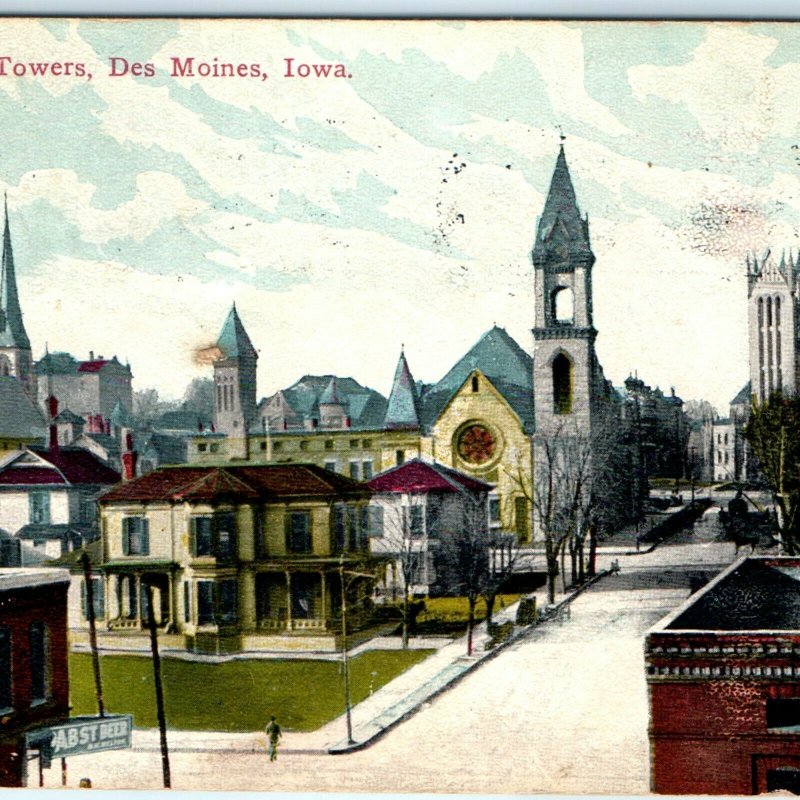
x=504, y=551
x=464, y=556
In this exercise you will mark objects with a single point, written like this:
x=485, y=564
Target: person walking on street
x=273, y=731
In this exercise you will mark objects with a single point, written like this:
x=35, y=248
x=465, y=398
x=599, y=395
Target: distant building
x=723, y=672
x=34, y=677
x=21, y=422
x=239, y=557
x=90, y=389
x=48, y=502
x=414, y=506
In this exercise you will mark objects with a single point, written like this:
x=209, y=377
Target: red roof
x=199, y=484
x=92, y=366
x=77, y=466
x=417, y=477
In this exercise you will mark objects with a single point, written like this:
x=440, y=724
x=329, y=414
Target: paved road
x=564, y=711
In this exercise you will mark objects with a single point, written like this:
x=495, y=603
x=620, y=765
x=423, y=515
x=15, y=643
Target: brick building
x=723, y=672
x=34, y=678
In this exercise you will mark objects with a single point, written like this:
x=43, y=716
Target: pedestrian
x=273, y=731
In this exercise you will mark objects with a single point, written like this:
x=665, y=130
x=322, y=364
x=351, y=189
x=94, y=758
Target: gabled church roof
x=402, y=410
x=503, y=362
x=12, y=329
x=233, y=339
x=561, y=225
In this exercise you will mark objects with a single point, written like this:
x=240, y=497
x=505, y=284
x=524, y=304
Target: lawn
x=235, y=695
x=456, y=609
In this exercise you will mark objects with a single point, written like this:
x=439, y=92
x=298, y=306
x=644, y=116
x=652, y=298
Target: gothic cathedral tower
x=235, y=384
x=15, y=347
x=772, y=323
x=564, y=362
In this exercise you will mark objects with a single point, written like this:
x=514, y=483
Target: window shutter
x=287, y=530
x=145, y=523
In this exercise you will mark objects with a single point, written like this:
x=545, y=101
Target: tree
x=773, y=432
x=147, y=406
x=199, y=396
x=464, y=556
x=504, y=550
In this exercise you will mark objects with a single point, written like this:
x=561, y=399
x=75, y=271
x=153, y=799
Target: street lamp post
x=345, y=663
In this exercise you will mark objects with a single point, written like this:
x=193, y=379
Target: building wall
x=15, y=507
x=18, y=610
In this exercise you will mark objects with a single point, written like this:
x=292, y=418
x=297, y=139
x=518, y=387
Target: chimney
x=107, y=427
x=347, y=422
x=91, y=355
x=129, y=459
x=52, y=408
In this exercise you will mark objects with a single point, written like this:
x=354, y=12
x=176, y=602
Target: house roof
x=233, y=339
x=19, y=415
x=365, y=407
x=503, y=362
x=67, y=466
x=754, y=594
x=206, y=484
x=66, y=364
x=25, y=577
x=68, y=416
x=417, y=477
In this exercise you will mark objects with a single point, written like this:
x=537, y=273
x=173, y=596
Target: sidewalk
x=371, y=718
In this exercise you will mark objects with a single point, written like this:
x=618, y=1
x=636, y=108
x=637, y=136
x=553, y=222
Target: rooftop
x=417, y=476
x=20, y=578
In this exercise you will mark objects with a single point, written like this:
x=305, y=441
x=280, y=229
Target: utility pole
x=345, y=663
x=86, y=561
x=162, y=719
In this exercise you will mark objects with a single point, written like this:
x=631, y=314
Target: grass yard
x=236, y=695
x=456, y=609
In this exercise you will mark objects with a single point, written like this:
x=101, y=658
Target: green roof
x=402, y=410
x=12, y=329
x=233, y=339
x=503, y=362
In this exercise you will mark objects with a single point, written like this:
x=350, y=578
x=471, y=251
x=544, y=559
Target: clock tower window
x=562, y=384
x=562, y=305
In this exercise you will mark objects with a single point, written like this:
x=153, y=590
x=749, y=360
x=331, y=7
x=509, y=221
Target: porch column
x=138, y=577
x=110, y=595
x=171, y=601
x=247, y=599
x=323, y=590
x=288, y=600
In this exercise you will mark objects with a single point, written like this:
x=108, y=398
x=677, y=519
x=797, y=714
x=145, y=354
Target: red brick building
x=723, y=672
x=34, y=678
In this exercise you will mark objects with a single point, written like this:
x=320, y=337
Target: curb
x=470, y=663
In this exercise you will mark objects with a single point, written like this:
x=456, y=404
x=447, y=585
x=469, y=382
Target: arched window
x=474, y=383
x=562, y=384
x=563, y=305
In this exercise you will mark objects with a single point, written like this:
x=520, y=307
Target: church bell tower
x=564, y=361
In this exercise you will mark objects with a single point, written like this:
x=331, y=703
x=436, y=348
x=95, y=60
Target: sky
x=396, y=206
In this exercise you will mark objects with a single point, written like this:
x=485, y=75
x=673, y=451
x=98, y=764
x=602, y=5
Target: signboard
x=83, y=735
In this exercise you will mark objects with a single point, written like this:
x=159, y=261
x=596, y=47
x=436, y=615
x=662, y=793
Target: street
x=562, y=711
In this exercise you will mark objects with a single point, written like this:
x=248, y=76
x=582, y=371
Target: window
x=6, y=683
x=277, y=447
x=39, y=657
x=366, y=470
x=201, y=448
x=399, y=457
x=355, y=470
x=135, y=536
x=39, y=506
x=227, y=601
x=339, y=530
x=263, y=445
x=329, y=444
x=87, y=509
x=783, y=713
x=330, y=466
x=10, y=553
x=187, y=601
x=474, y=383
x=298, y=532
x=350, y=528
x=494, y=510
x=562, y=384
x=304, y=444
x=214, y=448
x=563, y=306
x=214, y=535
x=205, y=602
x=364, y=519
x=365, y=443
x=416, y=522
x=521, y=517
x=354, y=444
x=376, y=521
x=98, y=599
x=259, y=531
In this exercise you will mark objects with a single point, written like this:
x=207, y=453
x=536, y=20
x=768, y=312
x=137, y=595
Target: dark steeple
x=12, y=330
x=233, y=339
x=403, y=408
x=562, y=235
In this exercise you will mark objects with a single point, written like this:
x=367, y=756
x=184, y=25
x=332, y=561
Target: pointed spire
x=562, y=233
x=402, y=411
x=233, y=339
x=12, y=329
x=330, y=396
